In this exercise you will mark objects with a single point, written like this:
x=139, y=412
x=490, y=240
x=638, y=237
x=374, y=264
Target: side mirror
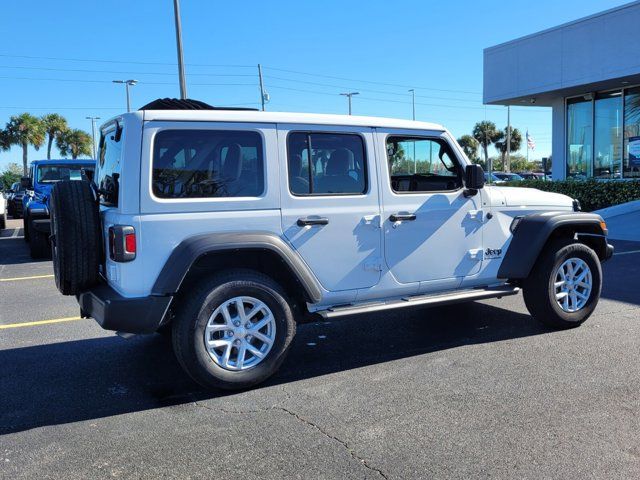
x=473, y=179
x=25, y=182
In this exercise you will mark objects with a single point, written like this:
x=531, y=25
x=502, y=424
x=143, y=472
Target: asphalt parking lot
x=469, y=391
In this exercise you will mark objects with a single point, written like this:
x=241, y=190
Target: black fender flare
x=193, y=248
x=531, y=233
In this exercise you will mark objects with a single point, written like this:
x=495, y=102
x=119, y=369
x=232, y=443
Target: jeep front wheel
x=234, y=330
x=564, y=286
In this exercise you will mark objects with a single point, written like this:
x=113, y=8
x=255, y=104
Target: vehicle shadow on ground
x=94, y=378
x=620, y=273
x=14, y=251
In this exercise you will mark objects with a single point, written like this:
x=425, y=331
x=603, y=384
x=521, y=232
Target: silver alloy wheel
x=240, y=333
x=573, y=284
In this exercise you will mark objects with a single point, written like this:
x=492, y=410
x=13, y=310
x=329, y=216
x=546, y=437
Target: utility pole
x=183, y=81
x=349, y=95
x=93, y=134
x=508, y=165
x=127, y=84
x=262, y=93
x=413, y=102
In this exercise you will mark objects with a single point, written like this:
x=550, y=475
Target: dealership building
x=588, y=72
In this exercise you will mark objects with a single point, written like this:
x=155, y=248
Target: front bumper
x=112, y=311
x=608, y=251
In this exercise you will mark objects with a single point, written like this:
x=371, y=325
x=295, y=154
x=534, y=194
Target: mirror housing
x=25, y=182
x=473, y=179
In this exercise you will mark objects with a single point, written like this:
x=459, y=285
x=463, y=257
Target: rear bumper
x=112, y=311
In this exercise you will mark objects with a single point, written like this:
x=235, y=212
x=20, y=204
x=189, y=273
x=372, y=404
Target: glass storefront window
x=631, y=161
x=608, y=135
x=580, y=138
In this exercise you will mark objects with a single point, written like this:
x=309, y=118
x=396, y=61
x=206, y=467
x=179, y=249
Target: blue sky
x=63, y=59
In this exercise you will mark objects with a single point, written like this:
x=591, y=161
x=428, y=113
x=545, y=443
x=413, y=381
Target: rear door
x=330, y=204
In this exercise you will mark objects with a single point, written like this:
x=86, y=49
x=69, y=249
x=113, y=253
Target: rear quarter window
x=109, y=164
x=207, y=164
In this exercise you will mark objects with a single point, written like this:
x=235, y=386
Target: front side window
x=422, y=165
x=207, y=163
x=326, y=164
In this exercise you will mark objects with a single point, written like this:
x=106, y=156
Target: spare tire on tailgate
x=75, y=236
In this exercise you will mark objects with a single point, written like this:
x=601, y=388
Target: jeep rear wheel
x=233, y=331
x=564, y=286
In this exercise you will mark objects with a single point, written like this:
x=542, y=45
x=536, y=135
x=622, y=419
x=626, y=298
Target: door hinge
x=373, y=265
x=477, y=215
x=475, y=254
x=373, y=220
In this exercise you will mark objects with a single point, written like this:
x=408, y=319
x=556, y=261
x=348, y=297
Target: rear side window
x=108, y=168
x=207, y=163
x=326, y=164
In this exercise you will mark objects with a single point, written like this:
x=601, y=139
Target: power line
x=76, y=70
x=131, y=62
x=372, y=82
x=144, y=82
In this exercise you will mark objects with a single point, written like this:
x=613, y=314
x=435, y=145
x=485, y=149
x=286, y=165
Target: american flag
x=531, y=143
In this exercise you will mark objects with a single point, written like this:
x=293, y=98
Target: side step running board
x=434, y=299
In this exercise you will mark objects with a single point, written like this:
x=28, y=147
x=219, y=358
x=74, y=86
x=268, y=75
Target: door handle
x=306, y=221
x=402, y=217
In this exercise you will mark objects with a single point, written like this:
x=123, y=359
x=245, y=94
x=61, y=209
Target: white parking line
x=15, y=232
x=626, y=253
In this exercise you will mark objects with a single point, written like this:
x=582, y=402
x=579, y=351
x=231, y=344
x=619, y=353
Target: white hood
x=531, y=197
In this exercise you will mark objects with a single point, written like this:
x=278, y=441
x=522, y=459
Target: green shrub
x=592, y=194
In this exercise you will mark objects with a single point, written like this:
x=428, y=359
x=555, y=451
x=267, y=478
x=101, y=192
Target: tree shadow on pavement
x=94, y=378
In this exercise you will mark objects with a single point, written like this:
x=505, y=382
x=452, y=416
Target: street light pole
x=127, y=84
x=93, y=133
x=413, y=102
x=183, y=81
x=349, y=95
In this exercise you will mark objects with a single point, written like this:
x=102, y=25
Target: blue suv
x=35, y=204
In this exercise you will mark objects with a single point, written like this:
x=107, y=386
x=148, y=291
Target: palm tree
x=486, y=133
x=54, y=125
x=501, y=145
x=469, y=146
x=74, y=142
x=25, y=130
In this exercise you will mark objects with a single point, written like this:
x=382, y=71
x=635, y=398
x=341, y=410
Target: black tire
x=539, y=289
x=3, y=221
x=76, y=236
x=192, y=315
x=38, y=244
x=25, y=229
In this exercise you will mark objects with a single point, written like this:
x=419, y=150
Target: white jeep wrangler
x=226, y=226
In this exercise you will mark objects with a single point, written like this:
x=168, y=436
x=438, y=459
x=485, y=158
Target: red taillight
x=122, y=243
x=130, y=243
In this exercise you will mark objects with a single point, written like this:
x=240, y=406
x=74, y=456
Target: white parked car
x=228, y=226
x=3, y=211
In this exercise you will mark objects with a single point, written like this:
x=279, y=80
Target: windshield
x=55, y=173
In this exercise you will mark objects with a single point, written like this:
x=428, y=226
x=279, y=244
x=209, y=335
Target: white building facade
x=588, y=71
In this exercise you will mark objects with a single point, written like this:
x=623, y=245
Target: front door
x=330, y=207
x=432, y=231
